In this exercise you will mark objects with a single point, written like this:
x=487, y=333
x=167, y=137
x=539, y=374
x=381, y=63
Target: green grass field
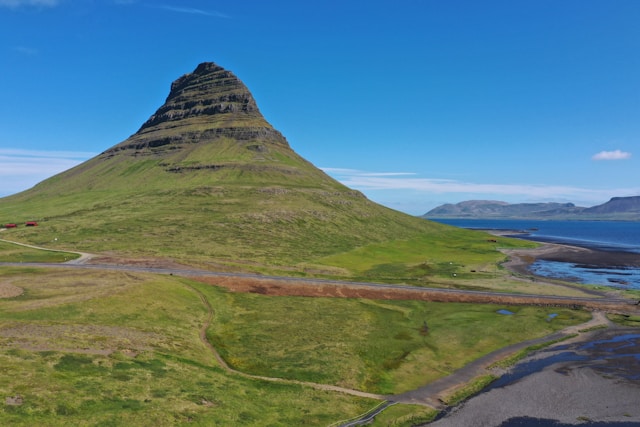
x=267, y=211
x=225, y=192
x=375, y=346
x=10, y=252
x=123, y=349
x=114, y=348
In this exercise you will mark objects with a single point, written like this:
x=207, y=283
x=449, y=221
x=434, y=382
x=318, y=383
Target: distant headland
x=616, y=209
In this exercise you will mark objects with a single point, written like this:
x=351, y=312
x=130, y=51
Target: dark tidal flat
x=589, y=383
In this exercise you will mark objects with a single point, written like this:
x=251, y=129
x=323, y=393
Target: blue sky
x=414, y=102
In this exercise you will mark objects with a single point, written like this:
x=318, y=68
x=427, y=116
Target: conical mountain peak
x=207, y=180
x=209, y=103
x=210, y=90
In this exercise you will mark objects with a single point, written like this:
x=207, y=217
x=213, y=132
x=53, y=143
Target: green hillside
x=207, y=181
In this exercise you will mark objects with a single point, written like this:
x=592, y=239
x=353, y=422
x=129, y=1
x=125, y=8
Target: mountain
x=617, y=205
x=618, y=208
x=206, y=180
x=492, y=208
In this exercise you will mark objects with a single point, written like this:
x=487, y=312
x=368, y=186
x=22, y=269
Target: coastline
x=567, y=392
x=598, y=387
x=520, y=259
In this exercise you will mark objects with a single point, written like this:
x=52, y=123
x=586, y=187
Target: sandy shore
x=520, y=259
x=601, y=389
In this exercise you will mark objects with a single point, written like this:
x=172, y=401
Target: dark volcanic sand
x=520, y=259
x=582, y=383
x=588, y=383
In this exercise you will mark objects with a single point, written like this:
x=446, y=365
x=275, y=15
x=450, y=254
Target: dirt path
x=84, y=257
x=432, y=394
x=429, y=395
x=226, y=367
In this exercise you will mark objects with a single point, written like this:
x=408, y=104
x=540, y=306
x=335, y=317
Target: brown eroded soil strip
x=274, y=287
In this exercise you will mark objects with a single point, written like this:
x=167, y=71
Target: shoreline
x=596, y=388
x=520, y=259
x=565, y=392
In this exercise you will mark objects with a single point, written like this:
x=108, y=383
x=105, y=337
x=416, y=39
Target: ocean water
x=621, y=236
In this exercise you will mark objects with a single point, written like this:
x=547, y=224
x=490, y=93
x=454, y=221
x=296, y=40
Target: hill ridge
x=617, y=208
x=207, y=181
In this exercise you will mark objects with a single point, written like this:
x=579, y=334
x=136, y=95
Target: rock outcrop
x=202, y=106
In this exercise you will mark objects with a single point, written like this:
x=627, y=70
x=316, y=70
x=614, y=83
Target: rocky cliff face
x=210, y=90
x=202, y=106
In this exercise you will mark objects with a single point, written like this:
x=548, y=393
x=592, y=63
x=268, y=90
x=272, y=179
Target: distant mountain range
x=618, y=208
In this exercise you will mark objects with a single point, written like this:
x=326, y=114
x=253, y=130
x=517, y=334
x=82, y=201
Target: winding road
x=428, y=395
x=605, y=302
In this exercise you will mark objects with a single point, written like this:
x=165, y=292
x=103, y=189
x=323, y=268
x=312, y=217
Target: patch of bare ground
x=7, y=290
x=89, y=339
x=109, y=259
x=70, y=285
x=305, y=288
x=16, y=400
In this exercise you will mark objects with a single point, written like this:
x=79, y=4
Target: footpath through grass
x=118, y=348
x=383, y=347
x=112, y=349
x=10, y=252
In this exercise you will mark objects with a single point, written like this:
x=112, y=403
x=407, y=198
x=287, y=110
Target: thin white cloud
x=341, y=171
x=19, y=152
x=367, y=181
x=193, y=11
x=22, y=169
x=611, y=155
x=14, y=4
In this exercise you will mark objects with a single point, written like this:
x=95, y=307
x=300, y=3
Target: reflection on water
x=623, y=278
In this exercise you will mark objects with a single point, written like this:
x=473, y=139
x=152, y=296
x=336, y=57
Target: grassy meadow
x=114, y=348
x=81, y=348
x=10, y=252
x=222, y=205
x=431, y=254
x=380, y=347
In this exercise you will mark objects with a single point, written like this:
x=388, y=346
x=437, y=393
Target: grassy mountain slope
x=206, y=180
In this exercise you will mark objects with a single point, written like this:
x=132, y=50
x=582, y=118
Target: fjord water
x=621, y=236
